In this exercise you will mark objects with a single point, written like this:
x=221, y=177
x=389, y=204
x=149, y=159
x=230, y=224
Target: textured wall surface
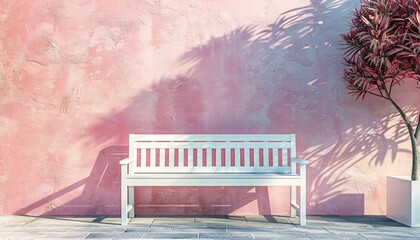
x=77, y=76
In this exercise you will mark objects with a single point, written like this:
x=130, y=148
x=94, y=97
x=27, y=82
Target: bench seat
x=207, y=160
x=218, y=179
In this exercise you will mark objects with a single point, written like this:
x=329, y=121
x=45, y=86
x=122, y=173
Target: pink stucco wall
x=77, y=76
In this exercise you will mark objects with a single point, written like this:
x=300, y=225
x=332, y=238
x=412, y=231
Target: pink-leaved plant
x=382, y=51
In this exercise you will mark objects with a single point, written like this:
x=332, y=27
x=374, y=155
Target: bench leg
x=124, y=219
x=131, y=213
x=302, y=205
x=292, y=201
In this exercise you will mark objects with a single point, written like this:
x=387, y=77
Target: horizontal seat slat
x=291, y=181
x=215, y=169
x=211, y=176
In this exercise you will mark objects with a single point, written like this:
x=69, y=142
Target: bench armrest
x=299, y=161
x=126, y=161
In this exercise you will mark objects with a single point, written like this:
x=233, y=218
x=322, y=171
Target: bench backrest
x=212, y=153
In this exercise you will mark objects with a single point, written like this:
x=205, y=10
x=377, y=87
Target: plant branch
x=400, y=111
x=391, y=85
x=380, y=91
x=375, y=94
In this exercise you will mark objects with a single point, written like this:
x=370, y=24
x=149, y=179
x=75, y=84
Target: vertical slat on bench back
x=171, y=158
x=212, y=153
x=132, y=152
x=237, y=156
x=293, y=152
x=266, y=157
x=152, y=157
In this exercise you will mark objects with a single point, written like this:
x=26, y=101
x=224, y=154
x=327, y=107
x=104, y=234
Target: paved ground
x=223, y=227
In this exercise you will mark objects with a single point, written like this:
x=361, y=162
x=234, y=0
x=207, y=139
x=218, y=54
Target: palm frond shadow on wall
x=280, y=78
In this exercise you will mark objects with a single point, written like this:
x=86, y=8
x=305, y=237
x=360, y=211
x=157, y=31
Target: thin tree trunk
x=415, y=169
x=416, y=135
x=416, y=152
x=412, y=134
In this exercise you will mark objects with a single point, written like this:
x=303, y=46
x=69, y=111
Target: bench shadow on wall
x=282, y=78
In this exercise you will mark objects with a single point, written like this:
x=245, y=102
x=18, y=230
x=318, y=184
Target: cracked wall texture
x=77, y=76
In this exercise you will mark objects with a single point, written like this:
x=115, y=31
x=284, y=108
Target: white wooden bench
x=212, y=160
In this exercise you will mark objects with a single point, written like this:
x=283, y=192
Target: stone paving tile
x=367, y=221
x=149, y=229
x=120, y=229
x=199, y=230
x=165, y=238
x=318, y=224
x=89, y=220
x=350, y=236
x=386, y=224
x=23, y=238
x=115, y=235
x=77, y=218
x=5, y=218
x=217, y=216
x=236, y=217
x=265, y=224
x=93, y=225
x=343, y=221
x=43, y=229
x=241, y=225
x=283, y=227
x=109, y=220
x=96, y=229
x=414, y=230
x=178, y=224
x=261, y=230
x=335, y=229
x=281, y=220
x=286, y=235
x=144, y=238
x=22, y=219
x=221, y=219
x=257, y=218
x=393, y=235
x=236, y=238
x=334, y=218
x=363, y=219
x=173, y=219
x=51, y=224
x=12, y=224
x=322, y=236
x=303, y=230
x=282, y=238
x=226, y=225
x=7, y=229
x=226, y=235
x=171, y=235
x=46, y=235
x=141, y=221
x=350, y=225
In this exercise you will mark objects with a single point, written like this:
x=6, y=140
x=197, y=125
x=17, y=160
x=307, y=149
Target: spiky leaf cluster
x=382, y=46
